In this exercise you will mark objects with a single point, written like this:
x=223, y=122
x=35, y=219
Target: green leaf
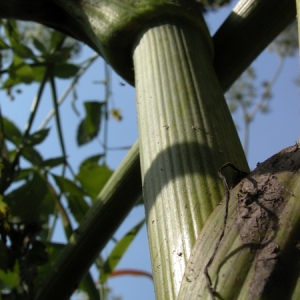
x=32, y=201
x=65, y=70
x=11, y=29
x=74, y=195
x=58, y=56
x=21, y=50
x=39, y=45
x=56, y=39
x=91, y=161
x=9, y=279
x=23, y=174
x=3, y=45
x=90, y=125
x=37, y=137
x=54, y=250
x=38, y=72
x=3, y=256
x=11, y=131
x=53, y=162
x=13, y=35
x=93, y=178
x=4, y=209
x=21, y=70
x=118, y=252
x=18, y=72
x=32, y=155
x=10, y=82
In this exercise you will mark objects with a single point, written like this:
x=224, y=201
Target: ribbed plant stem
x=186, y=134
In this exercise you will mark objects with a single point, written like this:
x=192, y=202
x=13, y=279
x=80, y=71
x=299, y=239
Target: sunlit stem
x=186, y=134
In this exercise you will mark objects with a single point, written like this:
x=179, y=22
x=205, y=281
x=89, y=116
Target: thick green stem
x=186, y=134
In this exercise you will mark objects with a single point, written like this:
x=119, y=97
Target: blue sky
x=268, y=134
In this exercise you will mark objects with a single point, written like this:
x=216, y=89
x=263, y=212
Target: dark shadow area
x=190, y=158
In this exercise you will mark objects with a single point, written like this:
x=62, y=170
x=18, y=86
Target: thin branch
x=36, y=102
x=86, y=64
x=117, y=148
x=267, y=89
x=248, y=117
x=107, y=95
x=64, y=215
x=57, y=121
x=246, y=130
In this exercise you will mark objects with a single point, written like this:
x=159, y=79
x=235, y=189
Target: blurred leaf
x=3, y=257
x=38, y=72
x=32, y=155
x=4, y=153
x=23, y=174
x=13, y=35
x=11, y=131
x=93, y=178
x=54, y=250
x=39, y=45
x=3, y=45
x=243, y=92
x=9, y=279
x=74, y=195
x=37, y=137
x=90, y=125
x=4, y=209
x=118, y=252
x=32, y=201
x=24, y=74
x=20, y=72
x=58, y=56
x=56, y=39
x=53, y=162
x=65, y=70
x=21, y=50
x=265, y=109
x=286, y=44
x=90, y=161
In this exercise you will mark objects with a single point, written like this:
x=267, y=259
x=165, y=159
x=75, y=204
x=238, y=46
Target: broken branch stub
x=259, y=253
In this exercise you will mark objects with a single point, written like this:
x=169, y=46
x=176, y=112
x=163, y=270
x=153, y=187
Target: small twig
x=267, y=89
x=241, y=174
x=86, y=64
x=248, y=117
x=107, y=96
x=36, y=102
